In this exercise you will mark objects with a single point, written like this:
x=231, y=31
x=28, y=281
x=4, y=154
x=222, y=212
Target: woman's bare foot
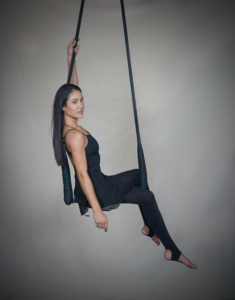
x=182, y=259
x=145, y=231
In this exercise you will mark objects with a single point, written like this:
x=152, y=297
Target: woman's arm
x=76, y=144
x=74, y=77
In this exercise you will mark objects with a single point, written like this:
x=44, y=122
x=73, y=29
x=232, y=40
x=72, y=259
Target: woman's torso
x=108, y=189
x=91, y=149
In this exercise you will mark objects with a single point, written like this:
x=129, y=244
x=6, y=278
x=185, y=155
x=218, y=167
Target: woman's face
x=74, y=105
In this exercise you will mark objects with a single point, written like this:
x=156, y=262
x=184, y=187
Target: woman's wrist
x=96, y=209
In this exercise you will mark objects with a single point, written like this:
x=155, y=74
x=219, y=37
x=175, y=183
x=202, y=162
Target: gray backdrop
x=183, y=64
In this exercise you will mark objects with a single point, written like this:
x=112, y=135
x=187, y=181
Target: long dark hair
x=57, y=122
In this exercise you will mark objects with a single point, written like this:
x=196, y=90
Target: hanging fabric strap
x=141, y=161
x=68, y=193
x=76, y=39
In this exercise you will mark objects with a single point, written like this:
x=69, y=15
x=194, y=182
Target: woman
x=93, y=189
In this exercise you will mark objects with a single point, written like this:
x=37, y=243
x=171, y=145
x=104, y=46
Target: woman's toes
x=156, y=239
x=193, y=266
x=184, y=260
x=145, y=231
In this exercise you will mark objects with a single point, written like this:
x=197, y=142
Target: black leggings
x=148, y=208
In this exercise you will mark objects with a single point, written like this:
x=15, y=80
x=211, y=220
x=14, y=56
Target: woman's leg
x=130, y=179
x=146, y=200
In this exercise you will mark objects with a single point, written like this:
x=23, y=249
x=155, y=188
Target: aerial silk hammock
x=68, y=194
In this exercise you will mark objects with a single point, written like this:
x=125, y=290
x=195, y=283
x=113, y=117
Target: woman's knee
x=135, y=174
x=147, y=196
x=151, y=197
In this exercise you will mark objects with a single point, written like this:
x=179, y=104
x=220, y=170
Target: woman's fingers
x=102, y=225
x=106, y=226
x=72, y=41
x=99, y=225
x=101, y=220
x=71, y=45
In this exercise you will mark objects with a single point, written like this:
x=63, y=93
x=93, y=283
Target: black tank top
x=109, y=190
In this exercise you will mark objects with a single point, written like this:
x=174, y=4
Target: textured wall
x=183, y=64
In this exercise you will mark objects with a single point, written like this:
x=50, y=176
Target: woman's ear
x=63, y=108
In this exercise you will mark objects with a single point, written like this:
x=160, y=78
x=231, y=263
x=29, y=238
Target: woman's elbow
x=82, y=175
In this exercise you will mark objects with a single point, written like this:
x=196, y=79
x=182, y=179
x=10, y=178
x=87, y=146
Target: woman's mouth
x=80, y=112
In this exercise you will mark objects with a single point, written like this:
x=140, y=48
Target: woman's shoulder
x=79, y=130
x=74, y=138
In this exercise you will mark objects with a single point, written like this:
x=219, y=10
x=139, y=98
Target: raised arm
x=74, y=78
x=76, y=144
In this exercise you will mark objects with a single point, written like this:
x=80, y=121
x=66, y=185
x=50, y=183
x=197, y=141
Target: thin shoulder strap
x=67, y=132
x=64, y=142
x=77, y=130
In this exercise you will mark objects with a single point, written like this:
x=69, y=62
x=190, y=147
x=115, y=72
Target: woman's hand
x=70, y=48
x=101, y=220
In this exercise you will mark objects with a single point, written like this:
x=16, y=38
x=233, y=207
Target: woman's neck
x=71, y=122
